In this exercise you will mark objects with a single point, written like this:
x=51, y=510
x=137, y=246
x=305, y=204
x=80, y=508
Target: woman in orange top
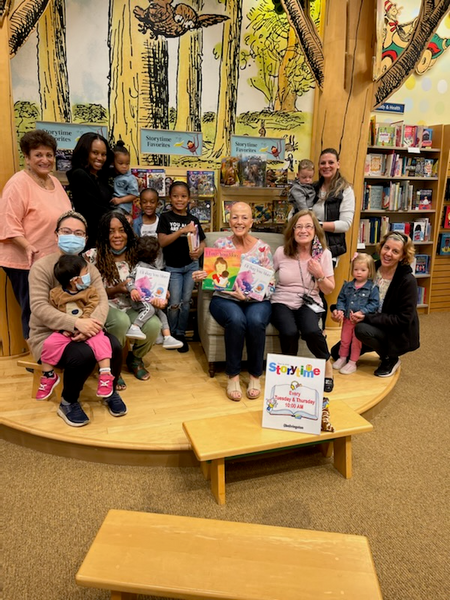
x=31, y=202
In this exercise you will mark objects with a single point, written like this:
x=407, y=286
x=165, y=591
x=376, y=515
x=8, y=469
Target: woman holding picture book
x=238, y=311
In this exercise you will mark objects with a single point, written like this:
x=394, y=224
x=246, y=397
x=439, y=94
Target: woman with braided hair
x=115, y=257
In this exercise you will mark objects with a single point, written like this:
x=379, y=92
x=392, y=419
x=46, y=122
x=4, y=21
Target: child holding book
x=147, y=252
x=181, y=259
x=126, y=189
x=303, y=193
x=147, y=222
x=77, y=297
x=357, y=297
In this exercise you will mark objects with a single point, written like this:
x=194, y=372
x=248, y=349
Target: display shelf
x=402, y=178
x=406, y=149
x=384, y=211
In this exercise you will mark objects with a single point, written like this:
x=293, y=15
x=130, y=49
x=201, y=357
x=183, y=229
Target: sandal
x=254, y=385
x=328, y=384
x=136, y=366
x=234, y=391
x=121, y=386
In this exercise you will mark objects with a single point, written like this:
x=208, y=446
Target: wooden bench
x=189, y=558
x=37, y=373
x=240, y=434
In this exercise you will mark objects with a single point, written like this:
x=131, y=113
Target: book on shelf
x=421, y=264
x=371, y=230
x=151, y=283
x=426, y=140
x=398, y=133
x=281, y=209
x=201, y=209
x=446, y=217
x=410, y=136
x=421, y=295
x=375, y=165
x=226, y=207
x=373, y=197
x=254, y=280
x=222, y=267
x=444, y=244
x=423, y=199
x=252, y=171
x=141, y=176
x=201, y=183
x=420, y=230
x=385, y=135
x=156, y=179
x=262, y=212
x=229, y=171
x=276, y=178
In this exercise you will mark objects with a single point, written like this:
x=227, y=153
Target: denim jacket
x=366, y=298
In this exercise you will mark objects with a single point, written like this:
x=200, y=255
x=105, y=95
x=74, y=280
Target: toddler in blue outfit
x=361, y=297
x=126, y=188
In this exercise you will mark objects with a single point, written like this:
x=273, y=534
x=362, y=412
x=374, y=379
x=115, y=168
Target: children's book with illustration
x=252, y=171
x=446, y=218
x=229, y=171
x=276, y=178
x=254, y=280
x=421, y=264
x=261, y=212
x=201, y=210
x=222, y=267
x=293, y=393
x=141, y=176
x=156, y=179
x=424, y=198
x=201, y=183
x=152, y=283
x=444, y=244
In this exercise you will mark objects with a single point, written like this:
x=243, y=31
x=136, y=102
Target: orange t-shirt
x=28, y=210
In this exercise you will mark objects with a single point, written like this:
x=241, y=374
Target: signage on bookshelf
x=164, y=141
x=267, y=148
x=68, y=134
x=391, y=107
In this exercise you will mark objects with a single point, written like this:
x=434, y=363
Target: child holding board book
x=180, y=256
x=359, y=296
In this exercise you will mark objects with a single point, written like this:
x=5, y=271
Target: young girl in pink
x=360, y=296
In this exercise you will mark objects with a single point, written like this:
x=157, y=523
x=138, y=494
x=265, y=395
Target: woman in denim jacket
x=361, y=297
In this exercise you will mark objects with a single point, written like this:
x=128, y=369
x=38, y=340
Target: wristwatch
x=320, y=279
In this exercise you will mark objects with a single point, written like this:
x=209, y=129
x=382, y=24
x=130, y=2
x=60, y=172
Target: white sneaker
x=170, y=343
x=135, y=333
x=339, y=363
x=349, y=368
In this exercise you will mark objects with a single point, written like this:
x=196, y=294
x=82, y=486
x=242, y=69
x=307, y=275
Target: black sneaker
x=185, y=346
x=73, y=414
x=388, y=367
x=116, y=405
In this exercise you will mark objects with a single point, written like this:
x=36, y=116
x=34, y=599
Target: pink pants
x=56, y=343
x=349, y=339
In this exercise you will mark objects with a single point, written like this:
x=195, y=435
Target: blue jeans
x=181, y=285
x=242, y=321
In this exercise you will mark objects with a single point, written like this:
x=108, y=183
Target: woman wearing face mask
x=77, y=359
x=31, y=202
x=88, y=178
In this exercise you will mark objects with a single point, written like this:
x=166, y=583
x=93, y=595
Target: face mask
x=118, y=252
x=71, y=244
x=85, y=282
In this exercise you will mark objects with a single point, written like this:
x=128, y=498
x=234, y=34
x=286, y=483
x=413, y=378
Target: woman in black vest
x=334, y=204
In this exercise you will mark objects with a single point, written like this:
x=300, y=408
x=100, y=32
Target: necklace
x=307, y=291
x=38, y=180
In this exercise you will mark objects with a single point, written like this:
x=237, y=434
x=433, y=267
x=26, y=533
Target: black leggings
x=19, y=284
x=375, y=338
x=78, y=362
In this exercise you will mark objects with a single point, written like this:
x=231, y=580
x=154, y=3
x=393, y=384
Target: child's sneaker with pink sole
x=47, y=386
x=105, y=385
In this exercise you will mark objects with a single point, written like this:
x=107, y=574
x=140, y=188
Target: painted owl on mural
x=161, y=18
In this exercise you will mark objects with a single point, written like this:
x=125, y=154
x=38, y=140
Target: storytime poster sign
x=293, y=393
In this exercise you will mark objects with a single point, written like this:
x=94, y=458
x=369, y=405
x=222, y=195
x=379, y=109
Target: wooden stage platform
x=180, y=389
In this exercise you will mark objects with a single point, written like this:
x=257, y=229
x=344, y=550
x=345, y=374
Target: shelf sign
x=399, y=109
x=266, y=148
x=164, y=141
x=68, y=134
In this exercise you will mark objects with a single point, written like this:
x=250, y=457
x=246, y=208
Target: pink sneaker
x=46, y=387
x=105, y=385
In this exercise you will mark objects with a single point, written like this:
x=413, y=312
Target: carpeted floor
x=398, y=496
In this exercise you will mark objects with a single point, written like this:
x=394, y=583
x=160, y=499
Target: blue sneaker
x=73, y=414
x=116, y=405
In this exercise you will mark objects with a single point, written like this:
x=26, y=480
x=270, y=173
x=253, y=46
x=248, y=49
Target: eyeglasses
x=308, y=227
x=67, y=231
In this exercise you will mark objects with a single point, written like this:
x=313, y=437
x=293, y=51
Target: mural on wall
x=426, y=69
x=220, y=67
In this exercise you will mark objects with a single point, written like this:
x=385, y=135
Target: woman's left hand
x=158, y=302
x=315, y=268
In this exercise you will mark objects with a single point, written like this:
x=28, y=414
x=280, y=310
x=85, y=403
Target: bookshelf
x=392, y=197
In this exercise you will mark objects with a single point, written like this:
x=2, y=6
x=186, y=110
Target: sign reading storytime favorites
x=68, y=134
x=164, y=141
x=267, y=148
x=293, y=393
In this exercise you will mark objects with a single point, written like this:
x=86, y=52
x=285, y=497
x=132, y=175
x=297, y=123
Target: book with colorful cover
x=424, y=198
x=254, y=280
x=376, y=165
x=385, y=135
x=421, y=264
x=222, y=267
x=141, y=176
x=428, y=167
x=262, y=212
x=427, y=137
x=281, y=210
x=201, y=183
x=229, y=171
x=226, y=210
x=410, y=136
x=201, y=210
x=446, y=218
x=444, y=244
x=276, y=178
x=151, y=283
x=252, y=171
x=156, y=179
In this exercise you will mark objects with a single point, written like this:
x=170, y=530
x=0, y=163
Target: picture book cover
x=156, y=179
x=427, y=137
x=385, y=135
x=446, y=218
x=428, y=167
x=229, y=171
x=222, y=267
x=444, y=244
x=252, y=171
x=261, y=212
x=201, y=183
x=141, y=176
x=201, y=210
x=410, y=136
x=424, y=198
x=421, y=264
x=293, y=393
x=281, y=209
x=152, y=283
x=254, y=280
x=226, y=210
x=276, y=178
x=376, y=165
